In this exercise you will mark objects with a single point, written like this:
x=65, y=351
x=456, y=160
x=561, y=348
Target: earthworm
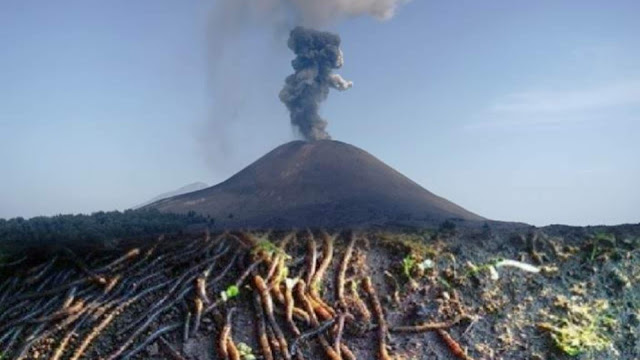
x=201, y=289
x=267, y=304
x=425, y=327
x=342, y=272
x=453, y=345
x=312, y=258
x=346, y=352
x=227, y=347
x=338, y=338
x=224, y=336
x=130, y=254
x=320, y=308
x=327, y=255
x=62, y=325
x=274, y=262
x=289, y=305
x=358, y=304
x=70, y=310
x=57, y=353
x=95, y=332
x=274, y=280
x=302, y=296
x=275, y=345
x=199, y=306
x=111, y=283
x=93, y=305
x=382, y=323
x=263, y=339
x=298, y=313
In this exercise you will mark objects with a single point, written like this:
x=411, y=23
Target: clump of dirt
x=486, y=293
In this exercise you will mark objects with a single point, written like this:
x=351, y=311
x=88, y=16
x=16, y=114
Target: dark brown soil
x=511, y=317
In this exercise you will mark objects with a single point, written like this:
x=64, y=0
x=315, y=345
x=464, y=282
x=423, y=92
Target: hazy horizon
x=516, y=112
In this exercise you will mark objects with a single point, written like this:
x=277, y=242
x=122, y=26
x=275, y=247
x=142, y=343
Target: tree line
x=94, y=230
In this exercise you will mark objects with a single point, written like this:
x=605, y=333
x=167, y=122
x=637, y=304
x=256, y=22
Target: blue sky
x=525, y=111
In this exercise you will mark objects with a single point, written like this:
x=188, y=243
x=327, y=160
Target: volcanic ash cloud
x=317, y=55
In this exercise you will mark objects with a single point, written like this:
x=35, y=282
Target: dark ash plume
x=317, y=55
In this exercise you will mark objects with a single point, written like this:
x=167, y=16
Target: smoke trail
x=305, y=12
x=231, y=24
x=319, y=12
x=317, y=55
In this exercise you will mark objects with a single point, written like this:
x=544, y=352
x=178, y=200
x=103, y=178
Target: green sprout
x=231, y=292
x=474, y=270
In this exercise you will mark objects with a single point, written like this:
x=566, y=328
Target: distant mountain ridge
x=326, y=183
x=183, y=190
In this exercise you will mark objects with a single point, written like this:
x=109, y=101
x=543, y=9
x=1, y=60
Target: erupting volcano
x=319, y=184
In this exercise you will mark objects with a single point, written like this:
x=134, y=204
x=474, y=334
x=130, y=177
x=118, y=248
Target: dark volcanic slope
x=317, y=184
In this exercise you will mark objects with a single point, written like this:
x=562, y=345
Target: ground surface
x=121, y=304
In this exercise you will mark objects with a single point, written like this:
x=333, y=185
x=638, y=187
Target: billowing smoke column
x=317, y=55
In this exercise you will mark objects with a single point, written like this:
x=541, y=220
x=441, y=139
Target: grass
x=408, y=263
x=418, y=249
